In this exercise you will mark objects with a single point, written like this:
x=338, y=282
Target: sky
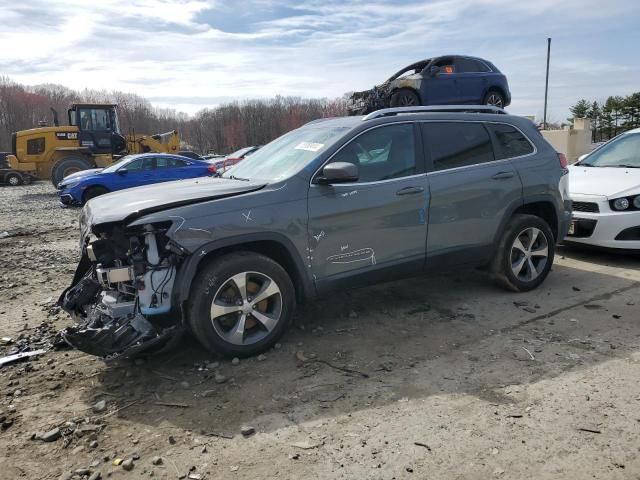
x=192, y=54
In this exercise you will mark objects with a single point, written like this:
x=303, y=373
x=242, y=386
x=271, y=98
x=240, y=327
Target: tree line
x=222, y=129
x=609, y=118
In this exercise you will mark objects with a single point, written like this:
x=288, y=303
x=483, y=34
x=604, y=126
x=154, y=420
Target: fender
x=541, y=198
x=186, y=274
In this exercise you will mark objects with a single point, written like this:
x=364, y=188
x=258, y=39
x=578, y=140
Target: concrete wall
x=572, y=142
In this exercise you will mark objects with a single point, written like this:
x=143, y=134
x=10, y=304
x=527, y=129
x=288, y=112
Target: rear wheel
x=525, y=254
x=241, y=304
x=495, y=98
x=14, y=179
x=405, y=98
x=93, y=192
x=66, y=167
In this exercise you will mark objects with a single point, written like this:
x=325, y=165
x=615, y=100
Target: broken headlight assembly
x=123, y=295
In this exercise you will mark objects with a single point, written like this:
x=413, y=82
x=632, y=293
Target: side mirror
x=122, y=171
x=338, y=172
x=433, y=71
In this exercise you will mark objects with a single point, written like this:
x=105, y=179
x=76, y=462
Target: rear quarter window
x=510, y=141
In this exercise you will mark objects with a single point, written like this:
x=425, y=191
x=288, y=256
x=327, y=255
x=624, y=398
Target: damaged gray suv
x=334, y=204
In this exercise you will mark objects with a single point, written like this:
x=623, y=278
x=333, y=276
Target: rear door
x=472, y=79
x=170, y=168
x=471, y=190
x=378, y=223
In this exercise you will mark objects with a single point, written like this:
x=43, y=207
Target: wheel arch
x=404, y=87
x=494, y=88
x=540, y=207
x=273, y=245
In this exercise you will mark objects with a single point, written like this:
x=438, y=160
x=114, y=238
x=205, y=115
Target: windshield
x=288, y=154
x=621, y=152
x=119, y=163
x=240, y=153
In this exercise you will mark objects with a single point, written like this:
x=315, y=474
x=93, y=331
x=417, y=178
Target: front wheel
x=14, y=179
x=525, y=254
x=93, y=192
x=241, y=304
x=405, y=98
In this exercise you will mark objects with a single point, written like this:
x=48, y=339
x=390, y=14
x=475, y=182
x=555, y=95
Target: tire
x=405, y=98
x=14, y=179
x=93, y=192
x=215, y=282
x=67, y=166
x=523, y=266
x=27, y=180
x=495, y=98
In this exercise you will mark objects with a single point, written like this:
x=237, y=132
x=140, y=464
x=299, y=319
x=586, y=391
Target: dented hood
x=135, y=202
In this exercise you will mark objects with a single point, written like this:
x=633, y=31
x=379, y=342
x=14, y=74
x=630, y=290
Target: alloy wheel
x=495, y=100
x=246, y=308
x=529, y=254
x=14, y=181
x=407, y=100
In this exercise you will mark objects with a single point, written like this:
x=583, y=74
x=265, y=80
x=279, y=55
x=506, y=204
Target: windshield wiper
x=233, y=177
x=626, y=166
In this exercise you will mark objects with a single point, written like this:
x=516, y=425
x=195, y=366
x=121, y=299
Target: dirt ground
x=439, y=377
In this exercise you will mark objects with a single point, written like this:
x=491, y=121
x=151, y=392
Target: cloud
x=192, y=54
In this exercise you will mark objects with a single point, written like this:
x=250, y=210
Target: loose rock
x=235, y=361
x=100, y=406
x=51, y=435
x=247, y=431
x=127, y=464
x=156, y=461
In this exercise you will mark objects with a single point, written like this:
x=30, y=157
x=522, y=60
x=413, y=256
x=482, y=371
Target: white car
x=605, y=189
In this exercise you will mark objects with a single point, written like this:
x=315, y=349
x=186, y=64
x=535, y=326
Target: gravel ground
x=436, y=377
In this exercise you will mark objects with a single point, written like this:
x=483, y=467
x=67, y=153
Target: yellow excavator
x=91, y=140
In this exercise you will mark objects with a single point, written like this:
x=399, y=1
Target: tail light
x=212, y=169
x=563, y=160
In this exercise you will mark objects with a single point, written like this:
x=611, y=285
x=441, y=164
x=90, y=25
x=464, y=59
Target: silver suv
x=337, y=203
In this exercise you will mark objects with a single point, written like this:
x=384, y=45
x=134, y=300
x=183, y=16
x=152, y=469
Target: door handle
x=410, y=190
x=502, y=175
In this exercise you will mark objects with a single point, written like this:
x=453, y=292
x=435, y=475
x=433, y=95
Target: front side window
x=511, y=143
x=381, y=153
x=141, y=164
x=622, y=152
x=457, y=144
x=35, y=146
x=469, y=65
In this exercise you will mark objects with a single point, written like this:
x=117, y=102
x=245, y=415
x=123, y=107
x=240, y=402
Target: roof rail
x=385, y=112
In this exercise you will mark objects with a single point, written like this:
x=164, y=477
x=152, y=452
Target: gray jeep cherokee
x=337, y=203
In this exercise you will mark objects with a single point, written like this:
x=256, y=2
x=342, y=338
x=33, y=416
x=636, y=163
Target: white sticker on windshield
x=309, y=146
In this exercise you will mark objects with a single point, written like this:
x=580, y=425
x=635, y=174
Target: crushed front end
x=367, y=101
x=121, y=295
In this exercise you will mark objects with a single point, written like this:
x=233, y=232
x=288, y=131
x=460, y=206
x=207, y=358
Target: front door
x=471, y=191
x=96, y=129
x=140, y=171
x=441, y=88
x=378, y=223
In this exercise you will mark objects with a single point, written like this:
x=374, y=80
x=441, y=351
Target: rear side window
x=35, y=146
x=511, y=143
x=469, y=65
x=457, y=144
x=167, y=162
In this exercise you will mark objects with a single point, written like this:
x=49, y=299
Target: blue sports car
x=130, y=171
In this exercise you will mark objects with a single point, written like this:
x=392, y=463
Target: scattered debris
x=219, y=378
x=301, y=356
x=305, y=445
x=156, y=461
x=235, y=361
x=262, y=357
x=530, y=309
x=247, y=431
x=420, y=444
x=530, y=354
x=521, y=303
x=128, y=464
x=575, y=289
x=99, y=406
x=19, y=356
x=173, y=404
x=590, y=430
x=228, y=436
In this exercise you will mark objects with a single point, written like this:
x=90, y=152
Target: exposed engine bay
x=122, y=293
